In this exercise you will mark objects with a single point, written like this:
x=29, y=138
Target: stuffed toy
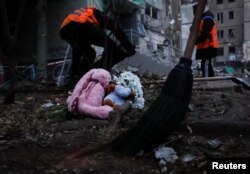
x=132, y=81
x=88, y=94
x=117, y=95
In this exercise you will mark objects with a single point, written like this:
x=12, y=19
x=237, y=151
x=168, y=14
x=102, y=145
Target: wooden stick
x=213, y=78
x=195, y=79
x=194, y=29
x=116, y=118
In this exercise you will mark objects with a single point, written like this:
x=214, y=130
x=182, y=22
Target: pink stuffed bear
x=87, y=97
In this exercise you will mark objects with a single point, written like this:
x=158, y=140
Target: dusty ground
x=36, y=139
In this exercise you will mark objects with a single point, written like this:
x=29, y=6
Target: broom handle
x=194, y=29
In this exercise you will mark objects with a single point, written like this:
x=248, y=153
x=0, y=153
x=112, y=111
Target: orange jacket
x=207, y=43
x=81, y=15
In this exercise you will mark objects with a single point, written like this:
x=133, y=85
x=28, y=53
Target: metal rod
x=59, y=80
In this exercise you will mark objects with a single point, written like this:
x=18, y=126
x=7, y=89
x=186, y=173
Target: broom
x=167, y=112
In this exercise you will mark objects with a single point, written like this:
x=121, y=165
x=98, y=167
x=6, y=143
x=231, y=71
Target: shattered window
x=232, y=49
x=220, y=34
x=220, y=17
x=141, y=29
x=219, y=1
x=231, y=33
x=151, y=11
x=148, y=10
x=154, y=13
x=231, y=15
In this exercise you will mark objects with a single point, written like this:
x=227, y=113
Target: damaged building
x=232, y=19
x=158, y=28
x=148, y=24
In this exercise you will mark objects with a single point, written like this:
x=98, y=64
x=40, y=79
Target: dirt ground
x=35, y=138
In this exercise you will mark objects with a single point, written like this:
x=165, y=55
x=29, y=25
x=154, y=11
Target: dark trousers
x=207, y=68
x=81, y=37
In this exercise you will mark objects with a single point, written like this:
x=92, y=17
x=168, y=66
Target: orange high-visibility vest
x=81, y=15
x=213, y=33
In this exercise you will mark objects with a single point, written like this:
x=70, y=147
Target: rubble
x=37, y=139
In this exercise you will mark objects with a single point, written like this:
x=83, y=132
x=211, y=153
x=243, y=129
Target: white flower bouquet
x=128, y=79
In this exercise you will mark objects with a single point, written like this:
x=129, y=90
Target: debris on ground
x=36, y=140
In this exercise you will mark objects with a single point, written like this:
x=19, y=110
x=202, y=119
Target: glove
x=130, y=48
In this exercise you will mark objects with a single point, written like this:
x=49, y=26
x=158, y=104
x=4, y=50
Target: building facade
x=246, y=45
x=229, y=15
x=233, y=22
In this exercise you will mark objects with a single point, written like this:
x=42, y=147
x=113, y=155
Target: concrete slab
x=146, y=64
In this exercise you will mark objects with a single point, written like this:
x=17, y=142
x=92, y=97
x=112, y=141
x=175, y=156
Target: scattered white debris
x=187, y=158
x=166, y=153
x=172, y=22
x=162, y=162
x=164, y=169
x=48, y=104
x=214, y=143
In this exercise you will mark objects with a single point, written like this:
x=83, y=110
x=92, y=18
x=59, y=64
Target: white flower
x=128, y=79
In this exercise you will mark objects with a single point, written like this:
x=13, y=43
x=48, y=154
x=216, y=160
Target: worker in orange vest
x=88, y=26
x=207, y=42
